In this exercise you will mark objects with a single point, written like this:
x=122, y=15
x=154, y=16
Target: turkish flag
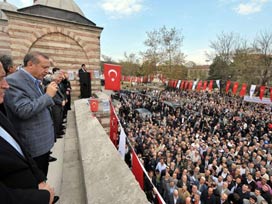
x=113, y=126
x=137, y=170
x=199, y=85
x=182, y=84
x=190, y=85
x=271, y=94
x=211, y=85
x=94, y=105
x=112, y=74
x=243, y=90
x=262, y=90
x=186, y=84
x=235, y=87
x=204, y=85
x=228, y=86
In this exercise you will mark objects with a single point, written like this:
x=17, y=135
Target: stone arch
x=65, y=52
x=39, y=34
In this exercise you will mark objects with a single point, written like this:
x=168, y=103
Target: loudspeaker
x=85, y=85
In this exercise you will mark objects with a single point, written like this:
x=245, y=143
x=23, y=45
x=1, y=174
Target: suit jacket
x=19, y=175
x=179, y=200
x=29, y=112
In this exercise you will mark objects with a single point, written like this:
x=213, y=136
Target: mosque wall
x=5, y=41
x=67, y=44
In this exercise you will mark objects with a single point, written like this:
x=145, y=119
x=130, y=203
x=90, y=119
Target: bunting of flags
x=209, y=85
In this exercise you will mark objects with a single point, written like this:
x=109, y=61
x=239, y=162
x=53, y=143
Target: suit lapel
x=4, y=122
x=30, y=83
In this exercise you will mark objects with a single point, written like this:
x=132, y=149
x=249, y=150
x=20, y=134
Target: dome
x=68, y=5
x=6, y=6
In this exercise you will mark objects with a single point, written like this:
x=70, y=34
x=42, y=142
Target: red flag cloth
x=243, y=90
x=175, y=83
x=185, y=85
x=262, y=90
x=94, y=105
x=137, y=170
x=112, y=75
x=270, y=126
x=211, y=85
x=190, y=85
x=199, y=85
x=228, y=86
x=271, y=94
x=182, y=84
x=235, y=87
x=113, y=127
x=204, y=85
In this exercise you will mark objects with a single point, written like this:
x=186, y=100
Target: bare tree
x=263, y=47
x=225, y=46
x=171, y=43
x=152, y=54
x=164, y=47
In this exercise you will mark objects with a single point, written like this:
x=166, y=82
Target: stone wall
x=4, y=38
x=67, y=44
x=107, y=178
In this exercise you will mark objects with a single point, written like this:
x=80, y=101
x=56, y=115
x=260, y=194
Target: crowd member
x=58, y=107
x=20, y=179
x=212, y=135
x=29, y=108
x=7, y=64
x=9, y=68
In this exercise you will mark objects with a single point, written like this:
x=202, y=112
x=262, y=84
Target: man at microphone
x=29, y=107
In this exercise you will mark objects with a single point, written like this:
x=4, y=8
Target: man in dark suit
x=175, y=198
x=29, y=108
x=82, y=69
x=20, y=179
x=84, y=81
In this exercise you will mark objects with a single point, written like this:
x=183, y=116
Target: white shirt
x=6, y=136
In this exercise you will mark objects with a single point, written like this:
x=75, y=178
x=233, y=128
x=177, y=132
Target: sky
x=126, y=22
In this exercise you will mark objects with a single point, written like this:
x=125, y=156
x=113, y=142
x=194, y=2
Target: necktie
x=38, y=86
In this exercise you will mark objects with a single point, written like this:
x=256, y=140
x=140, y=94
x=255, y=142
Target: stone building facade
x=66, y=36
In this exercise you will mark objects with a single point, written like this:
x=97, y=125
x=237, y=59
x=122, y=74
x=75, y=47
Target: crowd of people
x=212, y=148
x=34, y=104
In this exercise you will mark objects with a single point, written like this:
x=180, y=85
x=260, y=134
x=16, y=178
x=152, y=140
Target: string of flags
x=230, y=86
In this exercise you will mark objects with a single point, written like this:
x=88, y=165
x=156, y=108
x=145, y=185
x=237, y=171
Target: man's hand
x=52, y=89
x=45, y=186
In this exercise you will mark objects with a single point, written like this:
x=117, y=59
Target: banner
x=218, y=84
x=122, y=144
x=243, y=90
x=190, y=85
x=113, y=126
x=252, y=90
x=112, y=75
x=199, y=85
x=228, y=86
x=182, y=84
x=204, y=86
x=137, y=170
x=271, y=93
x=211, y=85
x=178, y=85
x=235, y=87
x=194, y=85
x=262, y=90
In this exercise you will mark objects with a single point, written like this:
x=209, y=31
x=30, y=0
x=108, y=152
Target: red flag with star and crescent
x=113, y=126
x=112, y=75
x=94, y=105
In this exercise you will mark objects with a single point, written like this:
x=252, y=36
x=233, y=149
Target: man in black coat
x=20, y=179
